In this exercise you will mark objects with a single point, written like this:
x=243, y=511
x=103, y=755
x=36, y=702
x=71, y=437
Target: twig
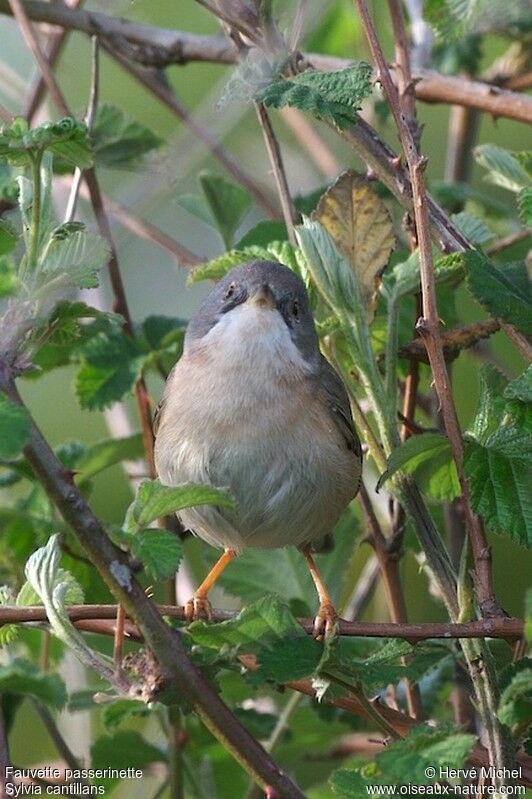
x=311, y=141
x=55, y=47
x=53, y=731
x=453, y=341
x=508, y=241
x=177, y=672
x=176, y=107
x=272, y=145
x=499, y=627
x=162, y=47
x=25, y=26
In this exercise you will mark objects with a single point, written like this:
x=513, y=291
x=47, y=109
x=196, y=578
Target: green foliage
x=428, y=457
x=22, y=677
x=453, y=19
x=66, y=138
x=504, y=168
x=106, y=453
x=111, y=364
x=14, y=427
x=515, y=704
x=498, y=457
x=228, y=203
x=154, y=500
x=332, y=96
x=123, y=750
x=119, y=141
x=405, y=761
x=159, y=550
x=503, y=290
x=115, y=714
x=281, y=251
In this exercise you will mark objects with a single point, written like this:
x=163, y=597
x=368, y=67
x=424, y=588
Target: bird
x=253, y=405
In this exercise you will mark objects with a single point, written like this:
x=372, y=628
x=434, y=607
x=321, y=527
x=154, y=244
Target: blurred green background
x=155, y=284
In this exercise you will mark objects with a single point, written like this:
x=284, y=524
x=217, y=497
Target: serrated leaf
x=103, y=454
x=67, y=138
x=333, y=96
x=515, y=704
x=473, y=228
x=73, y=592
x=500, y=490
x=504, y=169
x=111, y=364
x=281, y=251
x=119, y=141
x=159, y=550
x=116, y=713
x=521, y=388
x=227, y=201
x=361, y=228
x=428, y=457
x=524, y=201
x=22, y=677
x=15, y=427
x=499, y=290
x=73, y=259
x=154, y=500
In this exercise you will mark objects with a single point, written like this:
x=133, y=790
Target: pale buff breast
x=241, y=411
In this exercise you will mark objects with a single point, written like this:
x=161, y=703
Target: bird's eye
x=295, y=309
x=230, y=291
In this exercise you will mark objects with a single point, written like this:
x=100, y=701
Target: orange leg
x=325, y=621
x=199, y=606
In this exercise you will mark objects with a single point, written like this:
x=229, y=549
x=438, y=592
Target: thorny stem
x=179, y=678
x=276, y=161
x=428, y=326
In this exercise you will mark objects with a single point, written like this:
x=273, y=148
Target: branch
x=453, y=341
x=180, y=677
x=500, y=627
x=160, y=47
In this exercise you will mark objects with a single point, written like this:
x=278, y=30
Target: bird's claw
x=197, y=608
x=325, y=623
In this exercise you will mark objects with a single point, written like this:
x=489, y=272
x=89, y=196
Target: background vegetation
x=180, y=161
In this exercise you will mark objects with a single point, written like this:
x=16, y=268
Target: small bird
x=253, y=405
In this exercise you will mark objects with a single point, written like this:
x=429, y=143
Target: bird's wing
x=159, y=410
x=337, y=402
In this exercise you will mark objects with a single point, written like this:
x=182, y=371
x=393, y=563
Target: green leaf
x=473, y=228
x=159, y=550
x=281, y=251
x=504, y=168
x=119, y=141
x=263, y=234
x=491, y=403
x=284, y=651
x=116, y=713
x=111, y=364
x=8, y=276
x=15, y=426
x=524, y=202
x=72, y=592
x=154, y=500
x=515, y=705
x=22, y=677
x=123, y=750
x=500, y=490
x=521, y=388
x=499, y=291
x=227, y=202
x=72, y=258
x=106, y=453
x=8, y=237
x=333, y=96
x=428, y=457
x=197, y=206
x=66, y=138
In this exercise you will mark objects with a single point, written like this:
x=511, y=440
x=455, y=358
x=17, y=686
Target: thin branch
x=272, y=145
x=55, y=47
x=500, y=627
x=178, y=675
x=311, y=141
x=162, y=46
x=428, y=324
x=508, y=241
x=53, y=731
x=166, y=96
x=453, y=341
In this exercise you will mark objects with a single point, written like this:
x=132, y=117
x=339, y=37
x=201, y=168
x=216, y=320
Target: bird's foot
x=197, y=608
x=325, y=623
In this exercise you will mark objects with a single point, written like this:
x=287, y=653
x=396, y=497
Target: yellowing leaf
x=361, y=228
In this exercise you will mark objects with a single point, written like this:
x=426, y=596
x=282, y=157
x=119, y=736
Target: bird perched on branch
x=254, y=406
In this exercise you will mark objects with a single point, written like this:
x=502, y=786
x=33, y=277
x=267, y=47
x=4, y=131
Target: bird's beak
x=263, y=297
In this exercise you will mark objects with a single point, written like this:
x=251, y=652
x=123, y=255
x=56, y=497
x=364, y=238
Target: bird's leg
x=199, y=606
x=325, y=621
